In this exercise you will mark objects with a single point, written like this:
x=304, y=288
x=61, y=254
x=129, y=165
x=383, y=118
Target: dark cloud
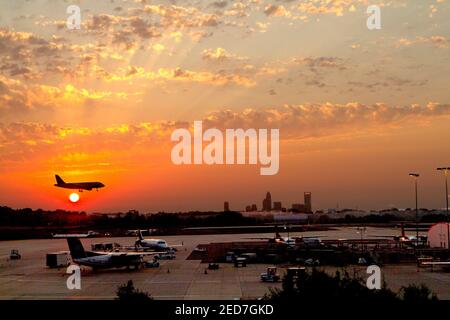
x=219, y=4
x=387, y=82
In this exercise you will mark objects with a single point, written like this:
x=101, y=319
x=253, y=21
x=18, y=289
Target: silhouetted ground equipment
x=270, y=275
x=240, y=262
x=15, y=255
x=57, y=259
x=213, y=266
x=296, y=272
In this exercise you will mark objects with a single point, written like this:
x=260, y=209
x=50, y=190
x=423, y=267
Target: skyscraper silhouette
x=308, y=203
x=267, y=202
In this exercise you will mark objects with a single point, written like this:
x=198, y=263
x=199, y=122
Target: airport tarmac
x=177, y=279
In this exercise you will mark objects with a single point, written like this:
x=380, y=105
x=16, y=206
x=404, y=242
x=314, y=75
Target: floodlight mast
x=416, y=177
x=446, y=169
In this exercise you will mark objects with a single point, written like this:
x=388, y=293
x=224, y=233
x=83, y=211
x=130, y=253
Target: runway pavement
x=179, y=279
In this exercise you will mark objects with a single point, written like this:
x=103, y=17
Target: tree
x=318, y=285
x=128, y=293
x=415, y=293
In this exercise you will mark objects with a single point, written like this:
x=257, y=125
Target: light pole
x=416, y=176
x=287, y=228
x=361, y=230
x=446, y=201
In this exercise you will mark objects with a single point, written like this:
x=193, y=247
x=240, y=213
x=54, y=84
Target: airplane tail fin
x=76, y=248
x=59, y=180
x=140, y=235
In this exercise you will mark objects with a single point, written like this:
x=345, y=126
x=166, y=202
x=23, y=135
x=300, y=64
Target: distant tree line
x=132, y=218
x=19, y=223
x=29, y=223
x=378, y=218
x=39, y=217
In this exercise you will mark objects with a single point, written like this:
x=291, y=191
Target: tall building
x=254, y=208
x=226, y=206
x=267, y=202
x=308, y=203
x=277, y=206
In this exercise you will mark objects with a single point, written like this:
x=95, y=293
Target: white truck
x=58, y=259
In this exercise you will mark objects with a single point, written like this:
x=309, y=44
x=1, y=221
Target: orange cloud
x=440, y=42
x=179, y=74
x=219, y=54
x=294, y=122
x=18, y=96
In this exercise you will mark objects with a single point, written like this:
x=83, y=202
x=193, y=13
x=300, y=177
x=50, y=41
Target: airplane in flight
x=78, y=185
x=103, y=260
x=153, y=244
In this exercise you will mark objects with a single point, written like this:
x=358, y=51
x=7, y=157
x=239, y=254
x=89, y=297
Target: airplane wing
x=83, y=186
x=436, y=263
x=129, y=253
x=64, y=236
x=387, y=236
x=271, y=238
x=308, y=237
x=262, y=238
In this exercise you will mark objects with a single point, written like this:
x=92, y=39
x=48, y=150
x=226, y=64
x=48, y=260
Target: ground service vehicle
x=270, y=275
x=15, y=255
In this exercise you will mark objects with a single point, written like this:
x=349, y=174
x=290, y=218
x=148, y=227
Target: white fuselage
x=109, y=260
x=154, y=243
x=289, y=241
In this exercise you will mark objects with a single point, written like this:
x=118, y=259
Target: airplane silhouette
x=78, y=185
x=103, y=260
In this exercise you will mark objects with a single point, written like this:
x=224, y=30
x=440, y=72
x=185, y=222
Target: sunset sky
x=357, y=109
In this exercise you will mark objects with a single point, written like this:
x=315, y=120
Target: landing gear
x=134, y=267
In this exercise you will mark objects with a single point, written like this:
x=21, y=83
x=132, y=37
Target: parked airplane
x=276, y=239
x=444, y=264
x=291, y=241
x=410, y=240
x=78, y=185
x=154, y=244
x=103, y=260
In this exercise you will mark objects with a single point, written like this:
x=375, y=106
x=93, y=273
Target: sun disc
x=74, y=197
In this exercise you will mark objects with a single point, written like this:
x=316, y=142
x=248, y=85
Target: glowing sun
x=74, y=197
